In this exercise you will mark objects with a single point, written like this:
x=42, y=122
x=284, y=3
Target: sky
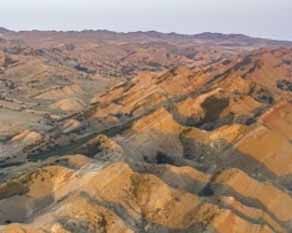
x=261, y=18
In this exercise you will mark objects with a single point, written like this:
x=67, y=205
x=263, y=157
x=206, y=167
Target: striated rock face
x=188, y=140
x=88, y=202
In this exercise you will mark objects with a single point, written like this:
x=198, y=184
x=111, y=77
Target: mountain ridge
x=156, y=34
x=131, y=134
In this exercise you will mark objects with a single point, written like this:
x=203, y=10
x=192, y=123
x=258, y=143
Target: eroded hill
x=193, y=147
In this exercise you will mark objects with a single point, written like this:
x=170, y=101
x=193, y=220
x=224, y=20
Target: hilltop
x=144, y=132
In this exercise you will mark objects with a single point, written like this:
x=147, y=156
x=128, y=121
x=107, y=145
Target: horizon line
x=8, y=29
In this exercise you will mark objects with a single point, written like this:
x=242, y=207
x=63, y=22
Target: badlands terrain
x=144, y=132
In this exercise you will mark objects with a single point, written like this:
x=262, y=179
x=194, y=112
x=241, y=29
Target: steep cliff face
x=192, y=149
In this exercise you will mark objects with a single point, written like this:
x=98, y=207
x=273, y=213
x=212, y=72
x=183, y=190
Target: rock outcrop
x=144, y=132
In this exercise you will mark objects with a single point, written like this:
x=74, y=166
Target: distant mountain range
x=142, y=36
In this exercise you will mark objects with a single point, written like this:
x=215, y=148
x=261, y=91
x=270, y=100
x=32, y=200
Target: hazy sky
x=265, y=18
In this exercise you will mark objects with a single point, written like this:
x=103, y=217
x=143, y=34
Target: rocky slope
x=195, y=147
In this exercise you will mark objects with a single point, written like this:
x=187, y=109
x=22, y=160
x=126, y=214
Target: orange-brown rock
x=144, y=132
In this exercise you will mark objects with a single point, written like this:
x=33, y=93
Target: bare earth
x=144, y=132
